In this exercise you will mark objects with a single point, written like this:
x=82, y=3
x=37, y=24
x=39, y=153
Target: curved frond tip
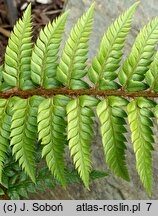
x=51, y=129
x=80, y=132
x=139, y=115
x=111, y=116
x=132, y=73
x=45, y=53
x=18, y=54
x=72, y=64
x=103, y=70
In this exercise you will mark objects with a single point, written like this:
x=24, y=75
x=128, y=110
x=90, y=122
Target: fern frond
x=45, y=53
x=80, y=132
x=102, y=72
x=72, y=64
x=51, y=129
x=5, y=122
x=3, y=85
x=156, y=112
x=23, y=133
x=133, y=71
x=152, y=74
x=18, y=54
x=139, y=115
x=111, y=114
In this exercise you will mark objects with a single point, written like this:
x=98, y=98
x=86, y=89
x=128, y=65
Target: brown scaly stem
x=5, y=196
x=75, y=93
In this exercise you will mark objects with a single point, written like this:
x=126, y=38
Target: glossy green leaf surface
x=103, y=70
x=45, y=53
x=18, y=54
x=139, y=117
x=79, y=117
x=51, y=130
x=132, y=73
x=72, y=64
x=152, y=74
x=5, y=121
x=24, y=133
x=112, y=120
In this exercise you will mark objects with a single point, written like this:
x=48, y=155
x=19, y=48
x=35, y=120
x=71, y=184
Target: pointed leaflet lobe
x=152, y=74
x=5, y=122
x=139, y=115
x=3, y=85
x=102, y=72
x=133, y=71
x=79, y=115
x=18, y=54
x=51, y=129
x=111, y=115
x=72, y=64
x=24, y=132
x=45, y=53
